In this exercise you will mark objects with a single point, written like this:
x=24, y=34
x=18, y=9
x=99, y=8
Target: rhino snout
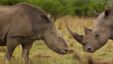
x=89, y=49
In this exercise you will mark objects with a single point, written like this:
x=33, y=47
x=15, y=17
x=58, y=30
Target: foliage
x=59, y=8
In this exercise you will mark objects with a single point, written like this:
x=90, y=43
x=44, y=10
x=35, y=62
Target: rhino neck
x=111, y=37
x=111, y=32
x=36, y=36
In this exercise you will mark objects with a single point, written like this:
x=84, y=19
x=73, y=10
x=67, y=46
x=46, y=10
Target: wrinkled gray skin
x=23, y=24
x=99, y=35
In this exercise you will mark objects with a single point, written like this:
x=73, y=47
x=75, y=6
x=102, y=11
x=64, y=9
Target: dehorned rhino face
x=53, y=40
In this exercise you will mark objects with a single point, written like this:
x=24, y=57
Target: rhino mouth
x=89, y=51
x=62, y=52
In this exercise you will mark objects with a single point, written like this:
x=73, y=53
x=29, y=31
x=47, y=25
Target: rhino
x=102, y=31
x=23, y=23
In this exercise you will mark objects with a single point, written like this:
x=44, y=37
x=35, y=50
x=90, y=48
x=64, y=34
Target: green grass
x=41, y=54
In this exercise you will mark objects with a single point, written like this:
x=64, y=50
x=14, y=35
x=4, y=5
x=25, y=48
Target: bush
x=10, y=2
x=58, y=8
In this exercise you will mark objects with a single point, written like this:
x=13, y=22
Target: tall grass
x=41, y=54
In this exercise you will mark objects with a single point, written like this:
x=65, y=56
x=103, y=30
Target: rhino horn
x=76, y=36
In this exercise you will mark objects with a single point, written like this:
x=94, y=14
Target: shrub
x=58, y=8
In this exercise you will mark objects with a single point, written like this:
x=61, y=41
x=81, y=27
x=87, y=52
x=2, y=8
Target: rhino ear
x=87, y=31
x=107, y=12
x=45, y=18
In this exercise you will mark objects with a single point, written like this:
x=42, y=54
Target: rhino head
x=54, y=41
x=94, y=39
x=49, y=34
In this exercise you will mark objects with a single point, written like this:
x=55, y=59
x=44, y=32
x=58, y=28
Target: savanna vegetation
x=59, y=8
x=75, y=13
x=41, y=54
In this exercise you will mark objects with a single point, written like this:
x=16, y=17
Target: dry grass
x=40, y=54
x=102, y=56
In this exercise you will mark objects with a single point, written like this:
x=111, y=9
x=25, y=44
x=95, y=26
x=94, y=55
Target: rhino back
x=14, y=21
x=22, y=20
x=37, y=17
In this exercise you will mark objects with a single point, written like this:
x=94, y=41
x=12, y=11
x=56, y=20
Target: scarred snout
x=62, y=47
x=89, y=48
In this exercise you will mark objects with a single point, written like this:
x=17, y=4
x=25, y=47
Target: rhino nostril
x=66, y=50
x=89, y=49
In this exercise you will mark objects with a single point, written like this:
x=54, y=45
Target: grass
x=41, y=54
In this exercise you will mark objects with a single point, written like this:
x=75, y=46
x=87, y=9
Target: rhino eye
x=97, y=35
x=84, y=43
